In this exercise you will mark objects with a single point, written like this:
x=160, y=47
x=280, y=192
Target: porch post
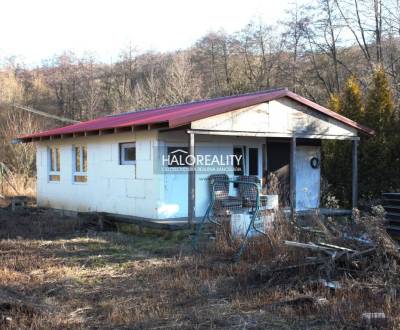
x=293, y=178
x=191, y=182
x=354, y=178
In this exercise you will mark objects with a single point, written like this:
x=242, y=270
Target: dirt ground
x=56, y=273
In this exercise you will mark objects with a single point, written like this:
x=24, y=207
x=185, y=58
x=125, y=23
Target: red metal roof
x=183, y=114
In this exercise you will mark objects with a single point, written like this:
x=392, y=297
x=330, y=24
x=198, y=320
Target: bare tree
x=182, y=84
x=91, y=88
x=294, y=38
x=20, y=158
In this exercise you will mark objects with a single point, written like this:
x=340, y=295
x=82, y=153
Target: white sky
x=35, y=30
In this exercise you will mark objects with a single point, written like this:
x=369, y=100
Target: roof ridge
x=199, y=101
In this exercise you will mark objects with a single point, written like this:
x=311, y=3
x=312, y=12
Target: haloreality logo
x=178, y=159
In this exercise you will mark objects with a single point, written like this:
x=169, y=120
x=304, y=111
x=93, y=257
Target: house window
x=80, y=163
x=127, y=153
x=54, y=163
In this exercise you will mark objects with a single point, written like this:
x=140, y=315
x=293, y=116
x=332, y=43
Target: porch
x=283, y=155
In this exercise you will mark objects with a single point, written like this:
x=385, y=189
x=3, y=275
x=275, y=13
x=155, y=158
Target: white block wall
x=110, y=187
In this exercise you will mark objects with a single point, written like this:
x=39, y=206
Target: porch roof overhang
x=273, y=135
x=181, y=115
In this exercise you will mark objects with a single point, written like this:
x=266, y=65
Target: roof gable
x=283, y=117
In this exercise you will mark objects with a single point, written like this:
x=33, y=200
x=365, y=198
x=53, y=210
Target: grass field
x=56, y=274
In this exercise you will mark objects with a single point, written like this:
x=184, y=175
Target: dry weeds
x=55, y=274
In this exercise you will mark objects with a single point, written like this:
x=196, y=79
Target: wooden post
x=265, y=168
x=293, y=178
x=191, y=182
x=354, y=181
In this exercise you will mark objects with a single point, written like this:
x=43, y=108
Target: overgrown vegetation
x=322, y=49
x=55, y=273
x=379, y=158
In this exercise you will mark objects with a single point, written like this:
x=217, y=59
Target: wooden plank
x=393, y=228
x=388, y=201
x=392, y=215
x=393, y=196
x=354, y=179
x=336, y=247
x=310, y=246
x=143, y=222
x=191, y=183
x=392, y=208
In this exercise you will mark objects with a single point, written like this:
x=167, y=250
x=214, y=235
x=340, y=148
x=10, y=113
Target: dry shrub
x=259, y=247
x=19, y=186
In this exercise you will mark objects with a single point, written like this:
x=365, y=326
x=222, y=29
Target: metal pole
x=354, y=181
x=191, y=182
x=293, y=178
x=45, y=114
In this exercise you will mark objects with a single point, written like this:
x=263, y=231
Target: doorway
x=250, y=162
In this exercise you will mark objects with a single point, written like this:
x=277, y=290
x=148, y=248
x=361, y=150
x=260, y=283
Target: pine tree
x=379, y=109
x=334, y=102
x=378, y=167
x=352, y=100
x=337, y=154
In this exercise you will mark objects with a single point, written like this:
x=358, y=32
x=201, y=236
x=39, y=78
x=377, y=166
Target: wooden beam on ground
x=139, y=221
x=354, y=177
x=191, y=182
x=293, y=178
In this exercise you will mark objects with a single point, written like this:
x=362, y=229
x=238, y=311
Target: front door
x=308, y=175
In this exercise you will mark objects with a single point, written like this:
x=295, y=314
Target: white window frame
x=246, y=155
x=122, y=147
x=76, y=173
x=56, y=162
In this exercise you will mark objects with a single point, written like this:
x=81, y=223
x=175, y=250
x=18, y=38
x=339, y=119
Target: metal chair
x=219, y=191
x=249, y=191
x=221, y=203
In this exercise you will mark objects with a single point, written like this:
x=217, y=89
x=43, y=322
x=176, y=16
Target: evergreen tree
x=334, y=102
x=379, y=109
x=337, y=154
x=378, y=167
x=352, y=101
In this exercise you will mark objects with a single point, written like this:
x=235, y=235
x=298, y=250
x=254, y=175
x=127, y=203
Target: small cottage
x=154, y=164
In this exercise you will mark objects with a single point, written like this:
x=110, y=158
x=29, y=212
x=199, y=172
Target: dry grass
x=17, y=185
x=54, y=274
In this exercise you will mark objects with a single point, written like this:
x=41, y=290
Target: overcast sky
x=35, y=30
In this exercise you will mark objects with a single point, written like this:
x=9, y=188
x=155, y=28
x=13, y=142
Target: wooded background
x=344, y=54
